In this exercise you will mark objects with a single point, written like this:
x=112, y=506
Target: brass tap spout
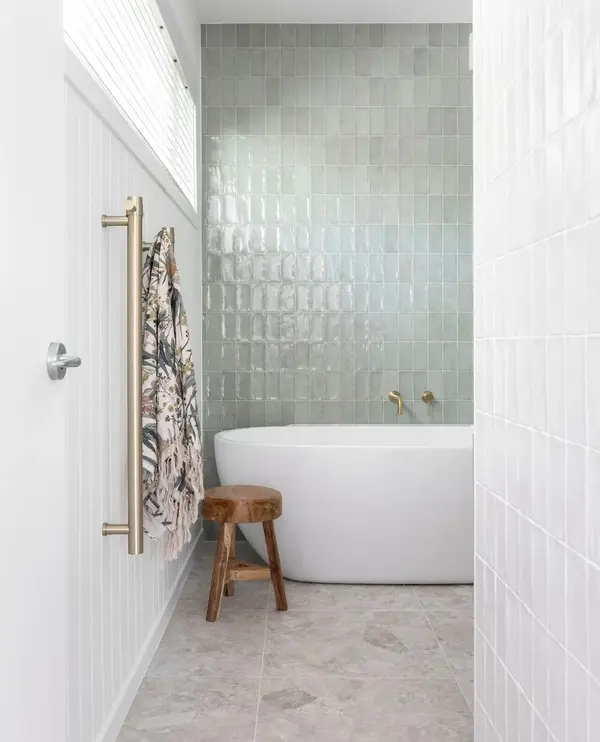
x=396, y=398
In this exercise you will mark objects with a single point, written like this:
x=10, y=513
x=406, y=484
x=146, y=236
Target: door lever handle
x=64, y=361
x=57, y=361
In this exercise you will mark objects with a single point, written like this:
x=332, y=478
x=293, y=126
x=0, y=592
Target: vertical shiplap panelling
x=537, y=367
x=97, y=428
x=71, y=149
x=115, y=600
x=84, y=345
x=102, y=161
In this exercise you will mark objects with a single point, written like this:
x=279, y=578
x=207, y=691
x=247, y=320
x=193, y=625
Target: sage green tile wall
x=337, y=216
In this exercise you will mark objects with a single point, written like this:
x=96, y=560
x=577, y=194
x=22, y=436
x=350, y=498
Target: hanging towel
x=172, y=455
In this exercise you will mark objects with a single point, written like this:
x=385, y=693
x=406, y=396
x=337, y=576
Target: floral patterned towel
x=172, y=455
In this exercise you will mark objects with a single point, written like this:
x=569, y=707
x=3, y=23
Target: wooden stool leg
x=219, y=571
x=230, y=585
x=275, y=566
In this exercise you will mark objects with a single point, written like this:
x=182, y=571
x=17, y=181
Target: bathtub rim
x=464, y=441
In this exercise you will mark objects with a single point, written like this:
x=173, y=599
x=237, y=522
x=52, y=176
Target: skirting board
x=112, y=727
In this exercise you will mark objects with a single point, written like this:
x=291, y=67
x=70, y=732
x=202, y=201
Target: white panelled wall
x=537, y=370
x=117, y=603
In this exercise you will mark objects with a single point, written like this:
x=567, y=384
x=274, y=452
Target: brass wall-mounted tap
x=396, y=398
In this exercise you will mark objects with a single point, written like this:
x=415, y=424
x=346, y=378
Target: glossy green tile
x=338, y=210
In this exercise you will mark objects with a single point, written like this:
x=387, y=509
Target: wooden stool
x=242, y=504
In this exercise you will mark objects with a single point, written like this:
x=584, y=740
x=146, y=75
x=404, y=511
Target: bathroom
x=383, y=220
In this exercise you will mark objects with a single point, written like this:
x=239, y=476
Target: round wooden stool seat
x=241, y=504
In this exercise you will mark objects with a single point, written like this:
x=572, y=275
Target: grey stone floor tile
x=445, y=597
x=346, y=663
x=317, y=597
x=467, y=685
x=192, y=710
x=375, y=644
x=455, y=634
x=362, y=710
x=230, y=647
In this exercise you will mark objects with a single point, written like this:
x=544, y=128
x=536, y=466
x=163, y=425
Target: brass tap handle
x=396, y=398
x=427, y=397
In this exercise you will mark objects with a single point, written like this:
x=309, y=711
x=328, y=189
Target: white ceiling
x=335, y=11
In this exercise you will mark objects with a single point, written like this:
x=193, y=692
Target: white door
x=32, y=425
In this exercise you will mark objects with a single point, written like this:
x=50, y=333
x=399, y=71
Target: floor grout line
x=262, y=665
x=446, y=657
x=294, y=677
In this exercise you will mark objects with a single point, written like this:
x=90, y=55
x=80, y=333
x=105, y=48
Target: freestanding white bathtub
x=362, y=504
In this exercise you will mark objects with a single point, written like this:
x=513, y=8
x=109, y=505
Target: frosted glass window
x=126, y=46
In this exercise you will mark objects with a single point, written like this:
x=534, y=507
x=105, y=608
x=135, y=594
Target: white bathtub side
x=362, y=514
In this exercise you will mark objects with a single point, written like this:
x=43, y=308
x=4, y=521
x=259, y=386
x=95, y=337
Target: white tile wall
x=537, y=370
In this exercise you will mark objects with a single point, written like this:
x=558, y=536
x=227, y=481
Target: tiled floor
x=344, y=664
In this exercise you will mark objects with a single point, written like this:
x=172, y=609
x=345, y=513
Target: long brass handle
x=134, y=528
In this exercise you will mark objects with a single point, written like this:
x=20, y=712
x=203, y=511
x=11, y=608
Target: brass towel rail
x=134, y=528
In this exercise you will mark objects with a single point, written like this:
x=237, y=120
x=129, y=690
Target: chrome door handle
x=57, y=361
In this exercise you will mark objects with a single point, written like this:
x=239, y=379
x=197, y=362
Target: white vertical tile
x=577, y=700
x=576, y=602
x=537, y=232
